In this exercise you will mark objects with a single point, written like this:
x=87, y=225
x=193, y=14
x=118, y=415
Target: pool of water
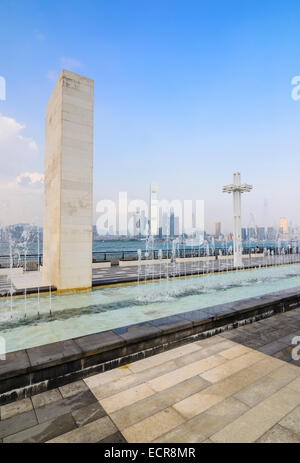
x=26, y=322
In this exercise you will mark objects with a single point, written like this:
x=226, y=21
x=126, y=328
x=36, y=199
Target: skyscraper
x=172, y=224
x=244, y=234
x=251, y=233
x=271, y=233
x=176, y=226
x=153, y=209
x=260, y=232
x=218, y=230
x=137, y=223
x=165, y=223
x=283, y=226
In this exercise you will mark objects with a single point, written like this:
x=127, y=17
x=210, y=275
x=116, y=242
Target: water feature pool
x=28, y=322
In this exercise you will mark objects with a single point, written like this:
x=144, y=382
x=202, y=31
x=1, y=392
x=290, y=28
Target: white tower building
x=237, y=189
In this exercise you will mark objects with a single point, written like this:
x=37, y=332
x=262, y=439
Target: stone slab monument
x=67, y=244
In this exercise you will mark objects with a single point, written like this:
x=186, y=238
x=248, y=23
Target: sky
x=186, y=93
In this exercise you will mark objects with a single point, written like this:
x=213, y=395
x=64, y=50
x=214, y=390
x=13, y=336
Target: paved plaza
x=241, y=386
x=17, y=280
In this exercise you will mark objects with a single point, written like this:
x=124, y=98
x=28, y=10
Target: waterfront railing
x=33, y=261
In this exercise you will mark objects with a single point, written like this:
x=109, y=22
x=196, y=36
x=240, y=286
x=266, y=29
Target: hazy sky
x=186, y=92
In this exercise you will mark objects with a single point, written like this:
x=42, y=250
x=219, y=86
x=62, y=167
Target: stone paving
x=241, y=386
x=118, y=274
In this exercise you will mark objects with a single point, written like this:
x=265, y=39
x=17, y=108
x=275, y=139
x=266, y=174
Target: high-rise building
x=95, y=232
x=153, y=209
x=172, y=224
x=283, y=226
x=244, y=234
x=166, y=224
x=271, y=233
x=176, y=226
x=251, y=233
x=260, y=233
x=144, y=224
x=137, y=223
x=218, y=230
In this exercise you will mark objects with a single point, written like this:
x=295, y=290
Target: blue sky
x=186, y=92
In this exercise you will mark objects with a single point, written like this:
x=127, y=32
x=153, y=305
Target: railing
x=101, y=256
x=106, y=256
x=20, y=261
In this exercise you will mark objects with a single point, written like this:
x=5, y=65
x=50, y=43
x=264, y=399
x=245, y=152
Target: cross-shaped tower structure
x=237, y=189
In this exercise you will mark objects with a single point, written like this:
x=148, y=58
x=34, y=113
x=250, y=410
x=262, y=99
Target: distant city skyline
x=163, y=220
x=171, y=103
x=258, y=234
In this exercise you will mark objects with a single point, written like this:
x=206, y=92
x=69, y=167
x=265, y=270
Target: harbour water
x=118, y=247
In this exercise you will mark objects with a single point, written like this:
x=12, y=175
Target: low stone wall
x=13, y=272
x=101, y=265
x=131, y=263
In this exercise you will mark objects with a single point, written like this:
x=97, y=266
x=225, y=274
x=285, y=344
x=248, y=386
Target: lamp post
x=237, y=189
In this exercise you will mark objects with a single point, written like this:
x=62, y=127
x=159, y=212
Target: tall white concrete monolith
x=67, y=242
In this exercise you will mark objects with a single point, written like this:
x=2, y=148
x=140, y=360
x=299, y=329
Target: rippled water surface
x=27, y=322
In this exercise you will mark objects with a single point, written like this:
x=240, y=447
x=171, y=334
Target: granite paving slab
x=211, y=390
